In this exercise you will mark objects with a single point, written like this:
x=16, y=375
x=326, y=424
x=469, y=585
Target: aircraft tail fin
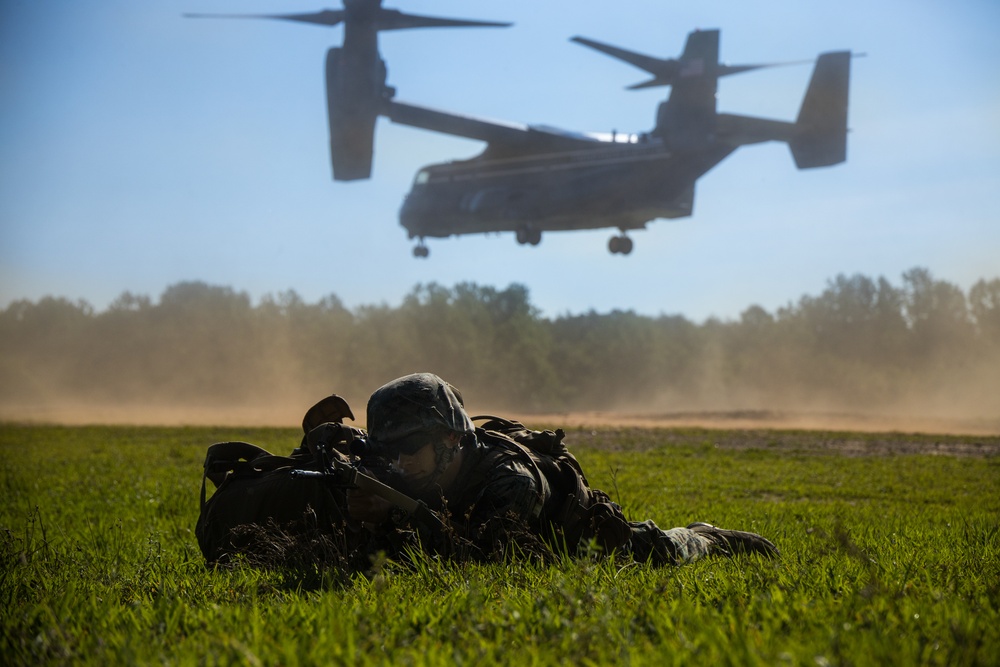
x=687, y=118
x=820, y=137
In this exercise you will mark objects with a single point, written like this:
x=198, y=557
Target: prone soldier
x=424, y=470
x=494, y=489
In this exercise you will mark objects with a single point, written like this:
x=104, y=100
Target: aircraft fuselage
x=623, y=185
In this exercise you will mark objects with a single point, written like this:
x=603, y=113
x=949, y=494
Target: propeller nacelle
x=356, y=74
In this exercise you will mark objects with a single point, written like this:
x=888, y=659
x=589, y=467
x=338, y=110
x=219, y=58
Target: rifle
x=335, y=471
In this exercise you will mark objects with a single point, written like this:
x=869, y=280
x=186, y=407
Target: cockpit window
x=422, y=177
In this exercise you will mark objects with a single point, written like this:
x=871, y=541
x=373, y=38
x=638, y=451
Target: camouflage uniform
x=499, y=494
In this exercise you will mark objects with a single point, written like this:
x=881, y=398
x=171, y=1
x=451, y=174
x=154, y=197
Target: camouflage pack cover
x=413, y=404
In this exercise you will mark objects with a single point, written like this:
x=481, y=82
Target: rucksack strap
x=493, y=418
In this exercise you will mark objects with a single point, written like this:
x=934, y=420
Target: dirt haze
x=289, y=414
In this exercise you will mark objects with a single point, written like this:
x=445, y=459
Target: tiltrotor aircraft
x=535, y=179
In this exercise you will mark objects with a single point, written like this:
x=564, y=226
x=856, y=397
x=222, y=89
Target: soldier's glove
x=734, y=542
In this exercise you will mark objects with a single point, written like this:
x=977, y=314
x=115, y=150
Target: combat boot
x=734, y=542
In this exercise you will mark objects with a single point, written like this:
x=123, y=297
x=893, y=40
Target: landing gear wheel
x=421, y=251
x=620, y=245
x=527, y=235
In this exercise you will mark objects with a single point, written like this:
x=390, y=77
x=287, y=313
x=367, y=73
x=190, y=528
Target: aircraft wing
x=500, y=135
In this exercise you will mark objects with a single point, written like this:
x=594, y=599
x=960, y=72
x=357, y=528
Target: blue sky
x=139, y=149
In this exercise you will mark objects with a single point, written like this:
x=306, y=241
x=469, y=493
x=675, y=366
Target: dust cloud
x=862, y=356
x=286, y=410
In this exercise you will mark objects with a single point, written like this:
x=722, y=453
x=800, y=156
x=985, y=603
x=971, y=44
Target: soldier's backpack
x=256, y=488
x=576, y=512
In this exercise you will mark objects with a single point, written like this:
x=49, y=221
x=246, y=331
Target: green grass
x=886, y=559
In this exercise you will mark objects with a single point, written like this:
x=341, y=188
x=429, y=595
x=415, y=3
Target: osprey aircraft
x=531, y=180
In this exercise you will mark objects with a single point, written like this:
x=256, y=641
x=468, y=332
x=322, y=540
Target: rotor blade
x=388, y=19
x=392, y=19
x=665, y=70
x=327, y=17
x=725, y=70
x=654, y=66
x=652, y=83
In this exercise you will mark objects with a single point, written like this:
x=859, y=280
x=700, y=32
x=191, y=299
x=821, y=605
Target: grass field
x=890, y=555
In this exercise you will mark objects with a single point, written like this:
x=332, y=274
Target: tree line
x=862, y=343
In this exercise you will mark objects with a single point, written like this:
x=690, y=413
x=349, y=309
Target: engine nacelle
x=353, y=99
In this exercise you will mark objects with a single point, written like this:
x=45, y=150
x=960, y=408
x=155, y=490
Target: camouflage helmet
x=415, y=404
